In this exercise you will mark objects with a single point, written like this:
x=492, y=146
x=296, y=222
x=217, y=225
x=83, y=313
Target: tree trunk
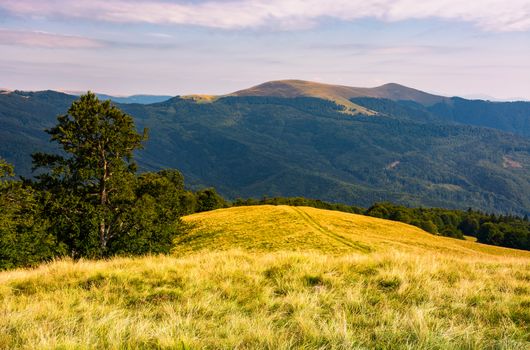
x=102, y=235
x=103, y=201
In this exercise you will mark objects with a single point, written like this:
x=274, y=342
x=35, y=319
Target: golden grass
x=339, y=93
x=281, y=300
x=271, y=228
x=353, y=283
x=201, y=98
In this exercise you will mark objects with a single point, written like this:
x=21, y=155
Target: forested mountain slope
x=403, y=151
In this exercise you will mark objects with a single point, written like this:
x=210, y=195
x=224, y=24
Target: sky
x=473, y=48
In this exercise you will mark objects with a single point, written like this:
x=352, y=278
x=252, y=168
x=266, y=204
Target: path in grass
x=341, y=239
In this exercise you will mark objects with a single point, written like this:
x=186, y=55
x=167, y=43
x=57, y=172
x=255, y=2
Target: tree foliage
x=153, y=218
x=6, y=170
x=98, y=205
x=99, y=141
x=208, y=199
x=24, y=236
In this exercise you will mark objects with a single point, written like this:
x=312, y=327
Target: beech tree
x=93, y=173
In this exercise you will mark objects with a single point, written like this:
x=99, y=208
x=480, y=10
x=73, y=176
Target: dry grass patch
x=281, y=300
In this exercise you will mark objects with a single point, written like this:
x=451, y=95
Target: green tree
x=490, y=233
x=91, y=181
x=6, y=171
x=24, y=239
x=153, y=218
x=379, y=210
x=469, y=226
x=208, y=199
x=400, y=215
x=427, y=225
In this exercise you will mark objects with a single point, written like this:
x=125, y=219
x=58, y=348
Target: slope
x=513, y=117
x=276, y=228
x=23, y=118
x=269, y=146
x=394, y=287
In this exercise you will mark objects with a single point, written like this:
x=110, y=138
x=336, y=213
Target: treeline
x=299, y=201
x=501, y=230
x=37, y=225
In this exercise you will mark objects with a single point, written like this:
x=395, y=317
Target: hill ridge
x=302, y=88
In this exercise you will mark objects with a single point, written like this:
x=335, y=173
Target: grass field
x=283, y=228
x=278, y=278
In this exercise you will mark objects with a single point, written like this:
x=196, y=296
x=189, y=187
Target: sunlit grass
x=381, y=291
x=270, y=228
x=271, y=300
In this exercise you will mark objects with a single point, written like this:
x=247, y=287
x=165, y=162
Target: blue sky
x=123, y=47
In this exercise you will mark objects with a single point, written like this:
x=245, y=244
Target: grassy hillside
x=356, y=282
x=339, y=93
x=268, y=228
x=299, y=88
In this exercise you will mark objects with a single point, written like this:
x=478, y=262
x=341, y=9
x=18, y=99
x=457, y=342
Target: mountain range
x=299, y=138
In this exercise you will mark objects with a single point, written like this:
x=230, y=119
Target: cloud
x=491, y=15
x=44, y=39
x=372, y=49
x=160, y=35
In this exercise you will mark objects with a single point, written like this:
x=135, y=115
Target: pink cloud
x=43, y=39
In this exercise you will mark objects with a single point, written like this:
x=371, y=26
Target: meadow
x=278, y=278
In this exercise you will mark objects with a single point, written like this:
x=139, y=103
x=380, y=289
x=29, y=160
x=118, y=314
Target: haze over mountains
x=336, y=143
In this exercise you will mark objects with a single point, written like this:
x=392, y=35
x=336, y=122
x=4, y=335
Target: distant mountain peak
x=300, y=88
x=397, y=85
x=341, y=94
